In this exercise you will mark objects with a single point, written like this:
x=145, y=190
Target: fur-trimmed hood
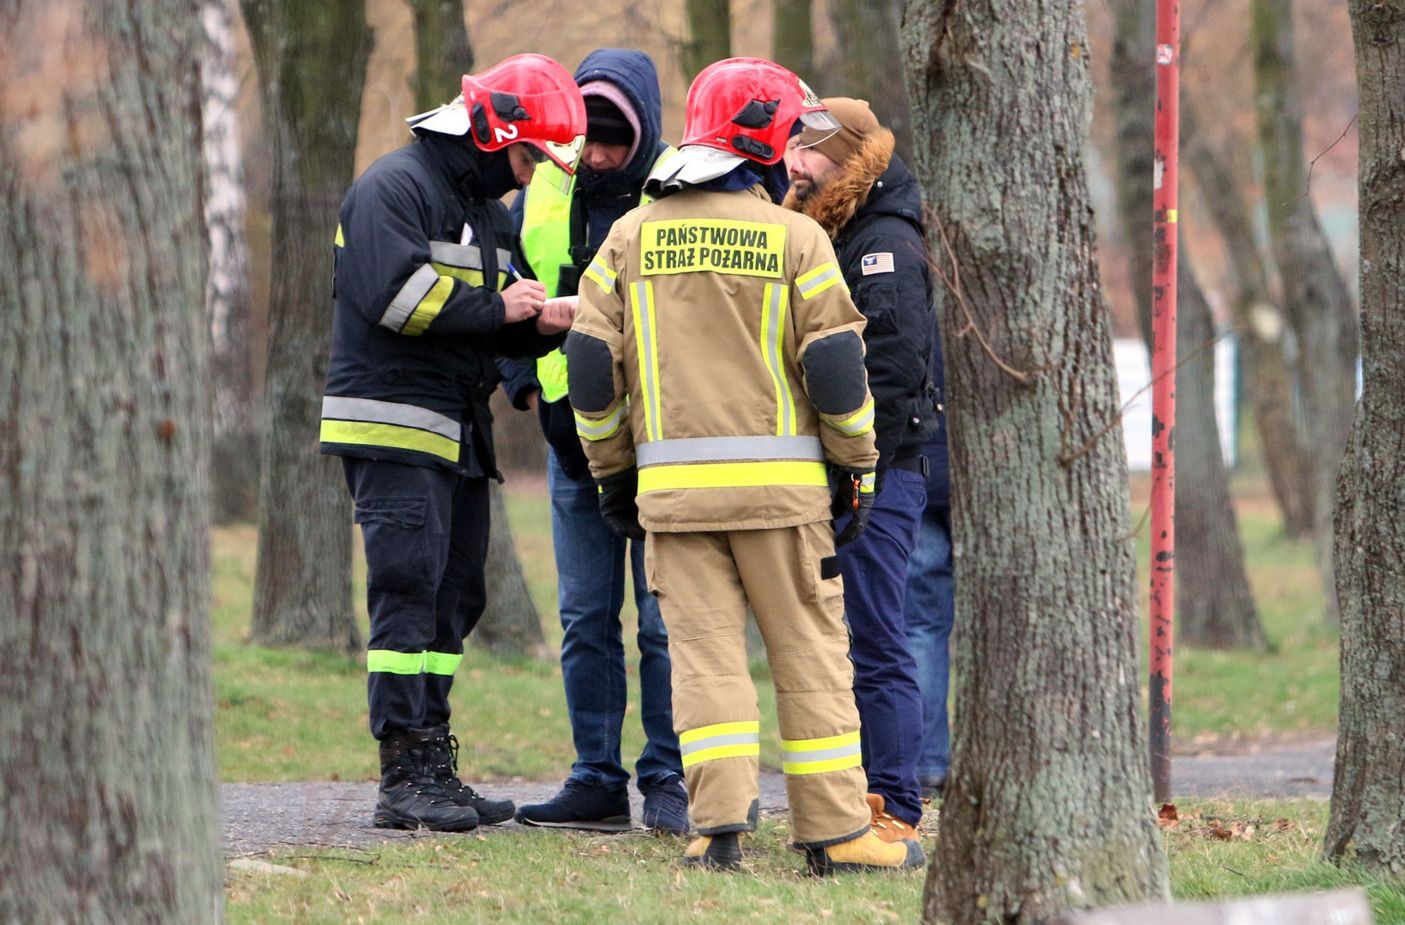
x=852, y=188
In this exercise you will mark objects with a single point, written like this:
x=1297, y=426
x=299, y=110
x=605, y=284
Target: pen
x=513, y=270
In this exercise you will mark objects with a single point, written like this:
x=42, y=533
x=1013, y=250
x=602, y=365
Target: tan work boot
x=867, y=852
x=715, y=852
x=885, y=825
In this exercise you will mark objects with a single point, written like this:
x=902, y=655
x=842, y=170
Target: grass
x=1216, y=849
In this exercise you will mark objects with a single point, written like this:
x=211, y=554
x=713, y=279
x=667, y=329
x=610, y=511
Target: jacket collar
x=846, y=192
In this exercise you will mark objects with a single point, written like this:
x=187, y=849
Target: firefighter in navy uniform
x=715, y=368
x=424, y=302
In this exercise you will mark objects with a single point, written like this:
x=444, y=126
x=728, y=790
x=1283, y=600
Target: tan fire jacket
x=735, y=363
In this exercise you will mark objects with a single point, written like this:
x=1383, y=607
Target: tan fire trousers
x=705, y=582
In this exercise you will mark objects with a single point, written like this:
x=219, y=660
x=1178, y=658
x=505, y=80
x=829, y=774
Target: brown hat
x=856, y=123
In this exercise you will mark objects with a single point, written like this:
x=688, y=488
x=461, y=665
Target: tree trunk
x=1315, y=296
x=1259, y=323
x=511, y=624
x=709, y=35
x=311, y=58
x=1215, y=606
x=792, y=37
x=1368, y=795
x=234, y=468
x=870, y=63
x=107, y=775
x=1048, y=803
x=442, y=52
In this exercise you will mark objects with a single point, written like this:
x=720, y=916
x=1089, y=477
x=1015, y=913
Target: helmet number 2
x=505, y=133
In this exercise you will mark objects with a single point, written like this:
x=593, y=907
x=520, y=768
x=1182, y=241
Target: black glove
x=854, y=491
x=617, y=503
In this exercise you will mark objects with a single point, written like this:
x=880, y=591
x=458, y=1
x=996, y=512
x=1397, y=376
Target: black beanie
x=605, y=123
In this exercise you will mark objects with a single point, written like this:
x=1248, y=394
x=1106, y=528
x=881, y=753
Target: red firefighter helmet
x=525, y=98
x=748, y=106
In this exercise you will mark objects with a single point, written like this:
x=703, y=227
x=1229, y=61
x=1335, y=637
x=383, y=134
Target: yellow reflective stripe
x=441, y=662
x=719, y=729
x=602, y=428
x=646, y=346
x=360, y=433
x=816, y=756
x=773, y=324
x=867, y=482
x=753, y=750
x=818, y=280
x=472, y=277
x=428, y=308
x=339, y=241
x=732, y=475
x=820, y=767
x=389, y=662
x=601, y=275
x=860, y=422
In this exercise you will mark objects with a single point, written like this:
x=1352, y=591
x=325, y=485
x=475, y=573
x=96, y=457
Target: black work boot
x=410, y=796
x=444, y=757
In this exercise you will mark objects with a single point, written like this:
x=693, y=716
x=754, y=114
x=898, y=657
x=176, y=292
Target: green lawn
x=1216, y=850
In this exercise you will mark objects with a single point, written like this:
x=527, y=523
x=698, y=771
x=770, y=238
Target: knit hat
x=856, y=123
x=609, y=117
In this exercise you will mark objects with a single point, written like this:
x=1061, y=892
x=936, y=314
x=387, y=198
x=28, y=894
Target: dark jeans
x=590, y=567
x=885, y=675
x=930, y=610
x=426, y=538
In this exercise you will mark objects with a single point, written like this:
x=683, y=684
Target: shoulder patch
x=877, y=263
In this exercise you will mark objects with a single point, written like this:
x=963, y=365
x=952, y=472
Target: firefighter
x=868, y=202
x=563, y=221
x=716, y=368
x=425, y=298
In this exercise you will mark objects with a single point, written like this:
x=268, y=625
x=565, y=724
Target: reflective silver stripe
x=504, y=258
x=740, y=738
x=602, y=428
x=822, y=754
x=409, y=296
x=727, y=449
x=772, y=348
x=647, y=347
x=810, y=286
x=456, y=255
x=390, y=412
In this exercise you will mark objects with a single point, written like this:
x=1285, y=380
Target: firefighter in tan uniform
x=716, y=371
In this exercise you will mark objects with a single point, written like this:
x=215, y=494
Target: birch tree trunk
x=1315, y=297
x=1259, y=321
x=1048, y=802
x=108, y=800
x=1214, y=603
x=234, y=469
x=311, y=58
x=709, y=35
x=1368, y=794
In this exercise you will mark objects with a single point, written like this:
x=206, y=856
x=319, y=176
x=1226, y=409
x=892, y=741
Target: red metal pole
x=1163, y=394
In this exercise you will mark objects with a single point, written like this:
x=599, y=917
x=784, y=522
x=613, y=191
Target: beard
x=804, y=188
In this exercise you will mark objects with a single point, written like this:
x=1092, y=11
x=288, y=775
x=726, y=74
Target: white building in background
x=1133, y=375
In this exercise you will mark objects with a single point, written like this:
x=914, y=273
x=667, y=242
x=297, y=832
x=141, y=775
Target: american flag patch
x=877, y=263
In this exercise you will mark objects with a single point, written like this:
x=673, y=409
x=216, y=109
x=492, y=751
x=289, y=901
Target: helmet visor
x=819, y=121
x=566, y=154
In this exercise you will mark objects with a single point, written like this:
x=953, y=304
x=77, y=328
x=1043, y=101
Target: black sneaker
x=444, y=753
x=410, y=796
x=666, y=807
x=580, y=805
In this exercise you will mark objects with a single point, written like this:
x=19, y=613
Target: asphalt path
x=259, y=818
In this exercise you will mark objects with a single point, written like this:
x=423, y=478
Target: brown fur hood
x=846, y=192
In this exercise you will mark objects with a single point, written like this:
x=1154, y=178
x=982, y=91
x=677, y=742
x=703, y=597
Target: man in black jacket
x=424, y=254
x=868, y=202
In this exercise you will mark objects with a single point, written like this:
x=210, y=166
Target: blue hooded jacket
x=607, y=197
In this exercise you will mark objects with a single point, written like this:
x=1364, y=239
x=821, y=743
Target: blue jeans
x=930, y=610
x=885, y=676
x=590, y=566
